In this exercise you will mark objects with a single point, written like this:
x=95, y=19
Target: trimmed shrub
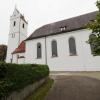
x=17, y=76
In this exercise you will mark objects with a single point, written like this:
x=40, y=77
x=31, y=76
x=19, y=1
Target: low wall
x=23, y=93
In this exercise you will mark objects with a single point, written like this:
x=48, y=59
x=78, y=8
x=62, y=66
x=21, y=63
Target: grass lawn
x=41, y=92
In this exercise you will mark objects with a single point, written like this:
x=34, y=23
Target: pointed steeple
x=15, y=11
x=15, y=6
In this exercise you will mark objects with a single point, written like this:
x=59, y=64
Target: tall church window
x=72, y=46
x=14, y=23
x=39, y=52
x=54, y=48
x=92, y=45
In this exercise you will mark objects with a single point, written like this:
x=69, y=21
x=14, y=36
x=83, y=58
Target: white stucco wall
x=31, y=51
x=23, y=31
x=18, y=60
x=84, y=61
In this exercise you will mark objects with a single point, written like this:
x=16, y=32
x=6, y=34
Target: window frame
x=23, y=26
x=14, y=24
x=39, y=50
x=91, y=45
x=54, y=53
x=72, y=43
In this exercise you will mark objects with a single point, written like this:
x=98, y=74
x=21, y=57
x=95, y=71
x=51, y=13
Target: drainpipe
x=45, y=51
x=19, y=31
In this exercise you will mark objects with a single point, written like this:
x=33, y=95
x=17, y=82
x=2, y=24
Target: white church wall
x=90, y=62
x=23, y=31
x=12, y=44
x=83, y=61
x=15, y=59
x=14, y=29
x=31, y=51
x=64, y=61
x=18, y=58
x=21, y=60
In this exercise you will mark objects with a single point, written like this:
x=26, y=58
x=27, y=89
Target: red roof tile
x=20, y=49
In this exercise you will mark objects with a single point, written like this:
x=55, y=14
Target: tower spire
x=17, y=33
x=15, y=6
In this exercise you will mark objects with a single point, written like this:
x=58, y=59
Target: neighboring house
x=61, y=45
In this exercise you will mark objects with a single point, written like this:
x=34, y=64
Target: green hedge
x=14, y=77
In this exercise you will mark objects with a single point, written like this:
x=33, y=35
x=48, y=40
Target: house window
x=23, y=25
x=92, y=45
x=14, y=23
x=72, y=46
x=54, y=48
x=39, y=54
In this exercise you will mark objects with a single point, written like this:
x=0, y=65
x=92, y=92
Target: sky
x=41, y=12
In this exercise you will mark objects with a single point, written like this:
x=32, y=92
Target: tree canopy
x=95, y=27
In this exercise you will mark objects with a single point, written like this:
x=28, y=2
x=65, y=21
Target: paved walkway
x=74, y=88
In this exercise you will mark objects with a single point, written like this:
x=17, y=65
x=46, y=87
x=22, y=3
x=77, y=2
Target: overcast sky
x=40, y=12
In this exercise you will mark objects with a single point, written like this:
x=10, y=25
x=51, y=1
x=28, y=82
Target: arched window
x=72, y=46
x=54, y=48
x=14, y=23
x=23, y=25
x=39, y=54
x=92, y=45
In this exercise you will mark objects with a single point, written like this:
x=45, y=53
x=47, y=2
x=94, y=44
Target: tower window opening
x=14, y=23
x=23, y=25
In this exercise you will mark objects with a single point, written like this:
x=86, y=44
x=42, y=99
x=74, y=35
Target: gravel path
x=74, y=88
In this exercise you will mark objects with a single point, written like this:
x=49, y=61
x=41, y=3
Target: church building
x=61, y=45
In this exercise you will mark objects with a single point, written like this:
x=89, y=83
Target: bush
x=17, y=76
x=3, y=70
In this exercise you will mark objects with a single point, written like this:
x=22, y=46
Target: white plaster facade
x=83, y=61
x=19, y=58
x=16, y=34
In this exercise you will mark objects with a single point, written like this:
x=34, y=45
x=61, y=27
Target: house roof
x=20, y=49
x=71, y=24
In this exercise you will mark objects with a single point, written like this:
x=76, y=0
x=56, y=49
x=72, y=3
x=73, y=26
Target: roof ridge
x=74, y=23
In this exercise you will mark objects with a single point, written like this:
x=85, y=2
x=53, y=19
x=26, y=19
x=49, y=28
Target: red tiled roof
x=20, y=49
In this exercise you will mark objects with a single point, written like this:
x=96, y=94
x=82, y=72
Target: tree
x=95, y=27
x=3, y=52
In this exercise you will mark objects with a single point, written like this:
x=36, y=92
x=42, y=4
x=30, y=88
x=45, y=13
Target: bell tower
x=17, y=33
